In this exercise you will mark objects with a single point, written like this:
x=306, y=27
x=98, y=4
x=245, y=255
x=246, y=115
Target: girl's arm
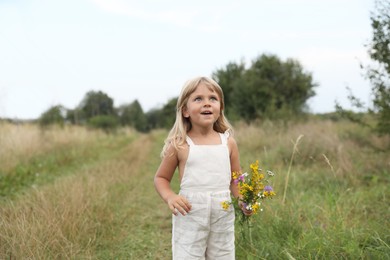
x=162, y=181
x=234, y=164
x=235, y=167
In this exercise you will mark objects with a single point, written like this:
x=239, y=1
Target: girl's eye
x=213, y=99
x=198, y=99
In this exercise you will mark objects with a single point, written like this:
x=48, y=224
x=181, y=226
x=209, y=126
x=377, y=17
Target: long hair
x=178, y=133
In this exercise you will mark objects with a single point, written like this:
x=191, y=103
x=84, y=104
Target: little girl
x=201, y=146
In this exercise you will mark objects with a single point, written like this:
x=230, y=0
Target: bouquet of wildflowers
x=253, y=187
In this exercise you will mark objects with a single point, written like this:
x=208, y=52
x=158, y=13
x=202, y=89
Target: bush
x=106, y=123
x=54, y=115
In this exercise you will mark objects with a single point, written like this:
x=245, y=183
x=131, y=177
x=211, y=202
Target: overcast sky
x=54, y=52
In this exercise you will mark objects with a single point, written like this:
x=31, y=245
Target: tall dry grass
x=73, y=217
x=21, y=142
x=340, y=144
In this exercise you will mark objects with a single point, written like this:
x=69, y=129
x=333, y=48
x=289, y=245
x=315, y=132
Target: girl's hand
x=178, y=203
x=244, y=210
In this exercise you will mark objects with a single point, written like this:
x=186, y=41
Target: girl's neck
x=201, y=131
x=201, y=136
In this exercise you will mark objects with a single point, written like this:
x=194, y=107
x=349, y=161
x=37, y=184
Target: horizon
x=55, y=52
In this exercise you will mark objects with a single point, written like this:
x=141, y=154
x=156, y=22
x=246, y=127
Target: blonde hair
x=178, y=133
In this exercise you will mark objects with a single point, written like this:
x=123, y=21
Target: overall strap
x=224, y=137
x=189, y=141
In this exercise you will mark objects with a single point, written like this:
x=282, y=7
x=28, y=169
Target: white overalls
x=207, y=231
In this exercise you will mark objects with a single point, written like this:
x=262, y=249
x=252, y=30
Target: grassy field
x=73, y=193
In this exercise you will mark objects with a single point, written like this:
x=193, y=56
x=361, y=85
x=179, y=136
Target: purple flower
x=268, y=188
x=240, y=178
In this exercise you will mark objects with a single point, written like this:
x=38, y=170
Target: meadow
x=77, y=193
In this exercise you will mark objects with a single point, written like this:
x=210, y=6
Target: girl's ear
x=185, y=112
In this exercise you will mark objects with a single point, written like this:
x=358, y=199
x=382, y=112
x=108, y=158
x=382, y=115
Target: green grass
x=104, y=206
x=46, y=167
x=328, y=222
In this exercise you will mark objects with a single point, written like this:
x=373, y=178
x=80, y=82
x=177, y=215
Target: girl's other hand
x=244, y=210
x=178, y=203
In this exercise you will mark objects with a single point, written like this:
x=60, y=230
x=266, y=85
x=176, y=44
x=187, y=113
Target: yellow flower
x=255, y=166
x=245, y=187
x=259, y=187
x=269, y=193
x=255, y=208
x=225, y=205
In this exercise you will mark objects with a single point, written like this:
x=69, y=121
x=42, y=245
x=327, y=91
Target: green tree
x=75, y=116
x=54, y=115
x=133, y=115
x=168, y=113
x=153, y=118
x=379, y=74
x=226, y=78
x=269, y=88
x=96, y=103
x=164, y=117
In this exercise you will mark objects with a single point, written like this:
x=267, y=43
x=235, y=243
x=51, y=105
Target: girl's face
x=203, y=107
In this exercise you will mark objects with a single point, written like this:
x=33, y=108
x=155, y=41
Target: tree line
x=268, y=88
